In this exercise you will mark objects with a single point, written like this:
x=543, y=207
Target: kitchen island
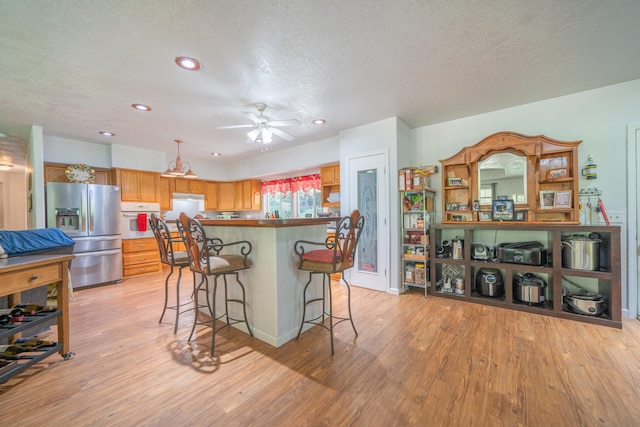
x=273, y=283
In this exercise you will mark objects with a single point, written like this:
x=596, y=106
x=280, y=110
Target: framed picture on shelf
x=503, y=210
x=476, y=205
x=454, y=182
x=562, y=199
x=557, y=173
x=547, y=199
x=484, y=216
x=520, y=216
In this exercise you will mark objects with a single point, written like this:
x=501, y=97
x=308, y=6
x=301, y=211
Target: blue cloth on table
x=27, y=242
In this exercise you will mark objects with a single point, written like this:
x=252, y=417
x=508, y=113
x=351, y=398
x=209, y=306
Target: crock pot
x=586, y=303
x=581, y=252
x=529, y=288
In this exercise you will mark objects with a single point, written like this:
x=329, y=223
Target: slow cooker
x=529, y=288
x=587, y=303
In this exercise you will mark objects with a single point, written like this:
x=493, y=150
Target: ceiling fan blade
x=251, y=116
x=235, y=126
x=289, y=122
x=282, y=134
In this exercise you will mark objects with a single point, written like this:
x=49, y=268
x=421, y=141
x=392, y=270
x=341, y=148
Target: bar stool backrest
x=193, y=237
x=163, y=238
x=348, y=232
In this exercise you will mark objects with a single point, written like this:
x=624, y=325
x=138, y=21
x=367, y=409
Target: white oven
x=135, y=219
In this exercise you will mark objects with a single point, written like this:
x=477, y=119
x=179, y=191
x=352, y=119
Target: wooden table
x=19, y=274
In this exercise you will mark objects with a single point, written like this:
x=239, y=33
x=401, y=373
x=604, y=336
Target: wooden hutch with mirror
x=512, y=177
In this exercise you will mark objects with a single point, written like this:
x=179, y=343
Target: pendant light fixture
x=178, y=168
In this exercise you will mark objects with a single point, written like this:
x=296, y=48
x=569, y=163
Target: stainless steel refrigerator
x=90, y=215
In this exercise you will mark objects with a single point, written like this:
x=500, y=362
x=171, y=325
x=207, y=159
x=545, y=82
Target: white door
x=633, y=220
x=369, y=194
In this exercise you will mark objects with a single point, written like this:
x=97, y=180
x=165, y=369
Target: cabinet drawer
x=132, y=270
x=14, y=282
x=140, y=258
x=139, y=245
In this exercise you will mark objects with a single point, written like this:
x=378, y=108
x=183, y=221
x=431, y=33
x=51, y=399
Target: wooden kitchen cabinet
x=56, y=172
x=166, y=189
x=210, y=195
x=330, y=174
x=140, y=256
x=192, y=186
x=248, y=195
x=226, y=196
x=330, y=183
x=138, y=186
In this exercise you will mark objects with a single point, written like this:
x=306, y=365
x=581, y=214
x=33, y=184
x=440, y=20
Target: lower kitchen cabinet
x=140, y=256
x=526, y=267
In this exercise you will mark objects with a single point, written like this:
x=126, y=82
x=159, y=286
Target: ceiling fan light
x=253, y=135
x=267, y=136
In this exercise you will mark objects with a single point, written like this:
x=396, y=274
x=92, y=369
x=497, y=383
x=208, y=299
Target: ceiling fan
x=263, y=128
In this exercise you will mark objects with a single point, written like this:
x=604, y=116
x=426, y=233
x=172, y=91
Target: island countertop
x=265, y=222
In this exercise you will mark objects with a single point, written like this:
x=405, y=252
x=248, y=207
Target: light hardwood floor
x=417, y=361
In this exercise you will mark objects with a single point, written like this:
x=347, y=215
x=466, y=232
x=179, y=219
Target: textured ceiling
x=75, y=67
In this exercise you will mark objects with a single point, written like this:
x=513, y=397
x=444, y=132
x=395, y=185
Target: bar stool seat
x=211, y=257
x=174, y=259
x=335, y=255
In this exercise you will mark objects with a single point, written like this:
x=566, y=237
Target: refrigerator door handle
x=90, y=209
x=82, y=217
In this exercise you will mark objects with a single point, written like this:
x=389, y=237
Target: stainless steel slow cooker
x=529, y=288
x=581, y=252
x=586, y=303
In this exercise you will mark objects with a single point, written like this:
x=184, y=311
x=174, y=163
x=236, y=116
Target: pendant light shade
x=178, y=168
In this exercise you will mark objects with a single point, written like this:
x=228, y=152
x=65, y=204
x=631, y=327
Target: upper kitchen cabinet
x=226, y=196
x=193, y=186
x=330, y=184
x=248, y=195
x=211, y=195
x=167, y=188
x=138, y=186
x=56, y=172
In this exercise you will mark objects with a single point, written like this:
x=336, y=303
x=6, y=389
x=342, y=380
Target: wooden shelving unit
x=606, y=281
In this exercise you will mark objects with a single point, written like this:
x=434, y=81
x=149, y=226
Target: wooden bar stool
x=174, y=259
x=211, y=257
x=335, y=255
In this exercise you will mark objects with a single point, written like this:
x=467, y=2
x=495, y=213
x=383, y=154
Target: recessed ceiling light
x=216, y=154
x=141, y=107
x=5, y=166
x=188, y=63
x=318, y=121
x=106, y=133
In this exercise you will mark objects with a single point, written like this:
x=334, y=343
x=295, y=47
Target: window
x=297, y=197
